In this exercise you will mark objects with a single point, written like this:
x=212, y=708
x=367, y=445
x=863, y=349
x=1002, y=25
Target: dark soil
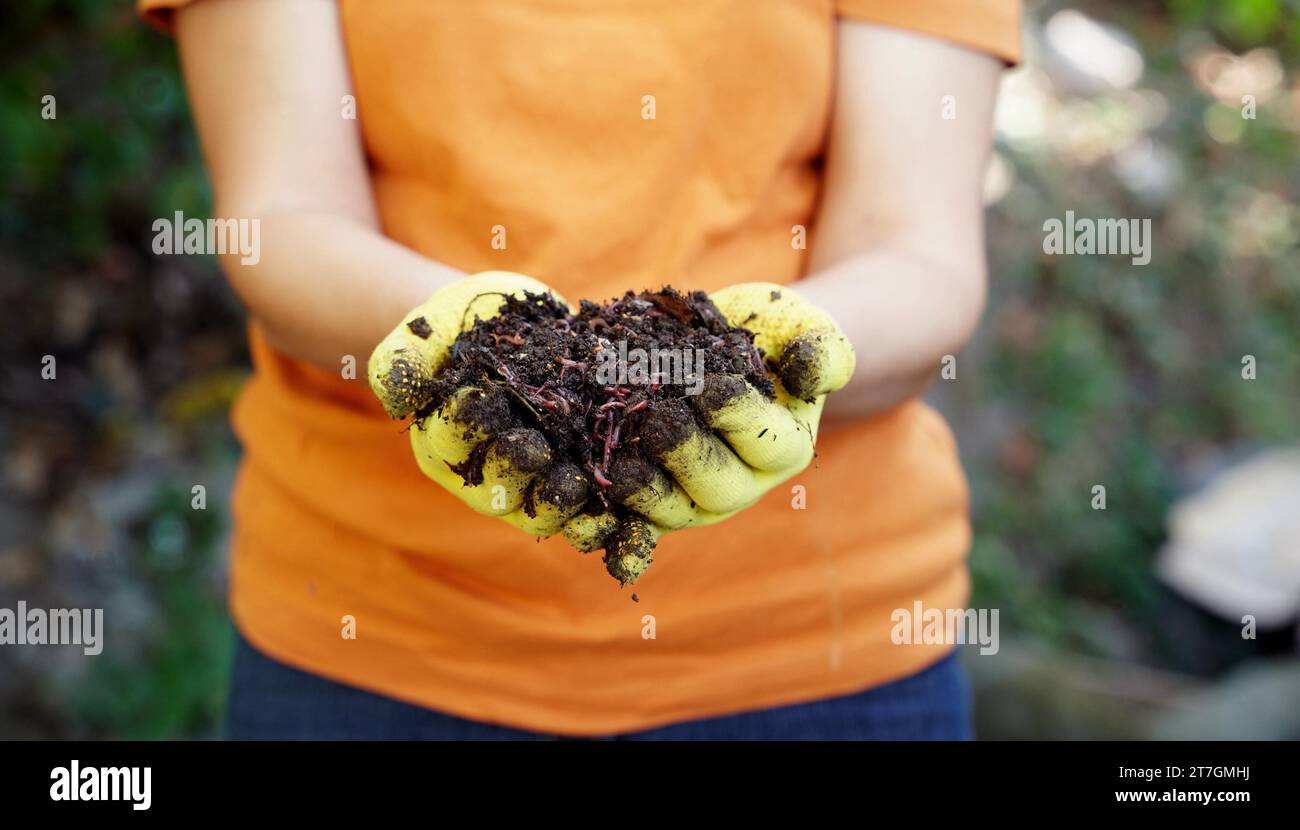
x=538, y=366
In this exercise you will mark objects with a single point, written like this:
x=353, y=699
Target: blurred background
x=1174, y=386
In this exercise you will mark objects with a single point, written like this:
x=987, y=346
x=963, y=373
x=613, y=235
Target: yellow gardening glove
x=755, y=443
x=701, y=480
x=402, y=370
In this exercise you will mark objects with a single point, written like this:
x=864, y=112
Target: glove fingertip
x=629, y=551
x=815, y=363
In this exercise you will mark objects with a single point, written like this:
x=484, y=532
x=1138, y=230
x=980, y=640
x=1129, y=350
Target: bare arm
x=897, y=252
x=266, y=80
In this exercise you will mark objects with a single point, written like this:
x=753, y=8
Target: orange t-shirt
x=528, y=114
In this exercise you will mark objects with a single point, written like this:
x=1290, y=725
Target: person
x=390, y=149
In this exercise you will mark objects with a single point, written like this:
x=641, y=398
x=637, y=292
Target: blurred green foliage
x=124, y=149
x=176, y=686
x=108, y=472
x=1241, y=23
x=1131, y=377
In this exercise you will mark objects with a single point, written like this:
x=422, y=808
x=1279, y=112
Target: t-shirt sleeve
x=991, y=26
x=159, y=12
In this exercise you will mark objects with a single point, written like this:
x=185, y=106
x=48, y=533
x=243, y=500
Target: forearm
x=326, y=286
x=903, y=314
x=897, y=255
x=326, y=283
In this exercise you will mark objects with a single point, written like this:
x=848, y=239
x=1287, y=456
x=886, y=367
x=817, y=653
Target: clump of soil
x=541, y=367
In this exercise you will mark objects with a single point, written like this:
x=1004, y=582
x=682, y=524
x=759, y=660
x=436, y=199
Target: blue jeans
x=272, y=701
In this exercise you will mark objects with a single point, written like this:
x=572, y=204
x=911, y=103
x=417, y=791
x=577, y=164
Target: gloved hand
x=755, y=443
x=402, y=371
x=698, y=479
